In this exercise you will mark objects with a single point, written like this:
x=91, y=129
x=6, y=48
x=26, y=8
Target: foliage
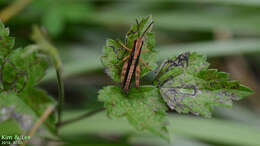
x=141, y=106
x=181, y=26
x=185, y=83
x=20, y=72
x=143, y=109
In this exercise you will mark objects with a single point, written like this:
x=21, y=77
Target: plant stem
x=51, y=51
x=43, y=117
x=86, y=115
x=61, y=94
x=13, y=9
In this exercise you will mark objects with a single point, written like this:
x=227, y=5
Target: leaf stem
x=43, y=117
x=85, y=115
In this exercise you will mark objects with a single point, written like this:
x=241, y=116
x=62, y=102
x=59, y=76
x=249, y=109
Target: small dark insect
x=172, y=94
x=131, y=64
x=170, y=63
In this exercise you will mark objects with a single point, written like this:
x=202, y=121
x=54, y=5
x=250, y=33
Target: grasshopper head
x=138, y=29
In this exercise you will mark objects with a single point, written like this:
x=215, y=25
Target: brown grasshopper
x=131, y=64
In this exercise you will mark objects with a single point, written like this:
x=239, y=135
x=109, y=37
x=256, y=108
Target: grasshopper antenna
x=147, y=29
x=138, y=27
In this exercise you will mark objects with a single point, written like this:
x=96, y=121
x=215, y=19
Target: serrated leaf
x=187, y=85
x=19, y=99
x=36, y=67
x=6, y=42
x=114, y=53
x=19, y=71
x=20, y=75
x=143, y=108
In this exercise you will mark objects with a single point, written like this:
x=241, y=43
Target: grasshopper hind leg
x=137, y=76
x=123, y=72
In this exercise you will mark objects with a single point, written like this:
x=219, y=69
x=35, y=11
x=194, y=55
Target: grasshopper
x=131, y=64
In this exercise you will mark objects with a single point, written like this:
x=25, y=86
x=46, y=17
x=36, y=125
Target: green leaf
x=142, y=107
x=18, y=71
x=10, y=127
x=37, y=65
x=20, y=74
x=6, y=42
x=39, y=101
x=187, y=85
x=13, y=107
x=21, y=71
x=114, y=53
x=19, y=99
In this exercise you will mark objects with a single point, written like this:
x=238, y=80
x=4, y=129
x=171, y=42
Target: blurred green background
x=228, y=31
